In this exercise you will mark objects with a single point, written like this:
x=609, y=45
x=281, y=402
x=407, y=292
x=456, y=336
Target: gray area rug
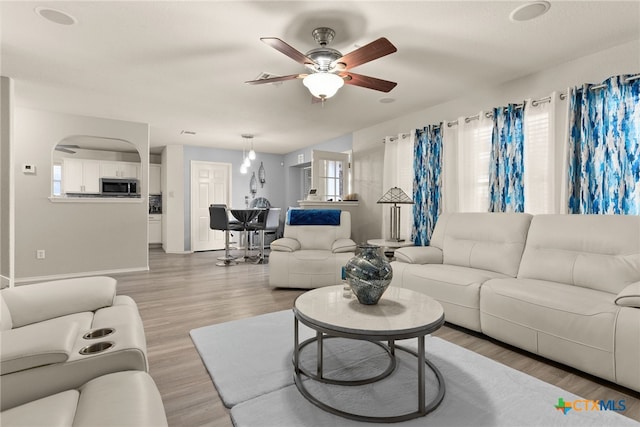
x=249, y=361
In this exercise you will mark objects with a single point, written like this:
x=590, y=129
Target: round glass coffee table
x=400, y=314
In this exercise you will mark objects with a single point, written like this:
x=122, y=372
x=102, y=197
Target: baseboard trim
x=80, y=274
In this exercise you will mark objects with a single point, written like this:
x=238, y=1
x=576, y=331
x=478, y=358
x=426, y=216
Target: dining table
x=244, y=217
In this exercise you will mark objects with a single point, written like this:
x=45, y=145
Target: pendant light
x=252, y=153
x=243, y=165
x=248, y=138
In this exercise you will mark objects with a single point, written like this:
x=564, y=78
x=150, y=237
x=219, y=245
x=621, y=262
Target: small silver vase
x=369, y=274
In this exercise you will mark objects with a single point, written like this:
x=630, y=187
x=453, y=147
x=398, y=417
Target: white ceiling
x=182, y=65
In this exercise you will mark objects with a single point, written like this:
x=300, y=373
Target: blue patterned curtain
x=427, y=184
x=506, y=165
x=604, y=150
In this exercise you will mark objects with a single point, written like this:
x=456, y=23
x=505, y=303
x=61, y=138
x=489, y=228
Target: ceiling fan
x=66, y=148
x=329, y=69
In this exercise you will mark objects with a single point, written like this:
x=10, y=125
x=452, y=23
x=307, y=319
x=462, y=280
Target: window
x=330, y=174
x=56, y=181
x=473, y=167
x=539, y=161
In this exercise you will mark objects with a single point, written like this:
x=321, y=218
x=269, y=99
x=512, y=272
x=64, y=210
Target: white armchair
x=311, y=256
x=43, y=329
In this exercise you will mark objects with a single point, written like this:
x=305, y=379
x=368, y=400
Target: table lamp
x=396, y=196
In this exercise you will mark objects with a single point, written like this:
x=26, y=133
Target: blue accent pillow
x=313, y=217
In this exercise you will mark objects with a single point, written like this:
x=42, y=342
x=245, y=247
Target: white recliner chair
x=56, y=336
x=311, y=256
x=123, y=399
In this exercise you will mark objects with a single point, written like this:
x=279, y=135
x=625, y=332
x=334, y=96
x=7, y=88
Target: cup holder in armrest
x=98, y=333
x=98, y=347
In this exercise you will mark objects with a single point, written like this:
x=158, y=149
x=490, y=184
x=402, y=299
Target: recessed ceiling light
x=529, y=11
x=55, y=16
x=386, y=100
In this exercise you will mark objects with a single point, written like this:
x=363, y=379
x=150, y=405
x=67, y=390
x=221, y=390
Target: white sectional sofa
x=566, y=287
x=59, y=337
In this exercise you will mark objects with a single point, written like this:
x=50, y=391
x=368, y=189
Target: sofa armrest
x=343, y=245
x=47, y=300
x=36, y=345
x=285, y=244
x=419, y=255
x=629, y=296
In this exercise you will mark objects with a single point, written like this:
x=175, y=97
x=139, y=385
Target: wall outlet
x=300, y=158
x=40, y=254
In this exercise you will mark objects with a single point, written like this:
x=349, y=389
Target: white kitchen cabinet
x=155, y=228
x=119, y=170
x=80, y=176
x=155, y=186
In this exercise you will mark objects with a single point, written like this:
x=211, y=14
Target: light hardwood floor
x=183, y=292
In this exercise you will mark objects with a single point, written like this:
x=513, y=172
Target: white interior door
x=210, y=183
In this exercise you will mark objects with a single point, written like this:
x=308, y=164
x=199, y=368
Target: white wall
x=173, y=199
x=6, y=182
x=368, y=149
x=79, y=238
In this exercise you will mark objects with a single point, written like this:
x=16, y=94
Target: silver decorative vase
x=369, y=274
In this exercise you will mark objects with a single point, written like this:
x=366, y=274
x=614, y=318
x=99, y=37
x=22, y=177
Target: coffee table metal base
x=423, y=407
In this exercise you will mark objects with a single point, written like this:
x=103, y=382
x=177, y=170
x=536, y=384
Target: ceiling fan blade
x=374, y=50
x=276, y=79
x=64, y=150
x=368, y=82
x=288, y=50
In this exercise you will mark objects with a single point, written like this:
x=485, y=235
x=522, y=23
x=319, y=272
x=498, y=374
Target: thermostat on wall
x=27, y=168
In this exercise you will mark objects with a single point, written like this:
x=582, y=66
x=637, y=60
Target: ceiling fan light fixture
x=323, y=85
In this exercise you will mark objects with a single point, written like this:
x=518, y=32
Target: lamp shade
x=323, y=85
x=395, y=195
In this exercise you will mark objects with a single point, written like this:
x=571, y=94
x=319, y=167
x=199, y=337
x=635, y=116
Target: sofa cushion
x=486, y=241
x=419, y=255
x=56, y=410
x=629, y=296
x=306, y=268
x=39, y=344
x=42, y=301
x=285, y=244
x=120, y=399
x=456, y=288
x=584, y=316
x=600, y=252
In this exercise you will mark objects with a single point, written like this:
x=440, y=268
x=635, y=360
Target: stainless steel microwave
x=119, y=187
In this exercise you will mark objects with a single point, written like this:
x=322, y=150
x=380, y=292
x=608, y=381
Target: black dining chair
x=273, y=223
x=258, y=226
x=219, y=220
x=267, y=222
